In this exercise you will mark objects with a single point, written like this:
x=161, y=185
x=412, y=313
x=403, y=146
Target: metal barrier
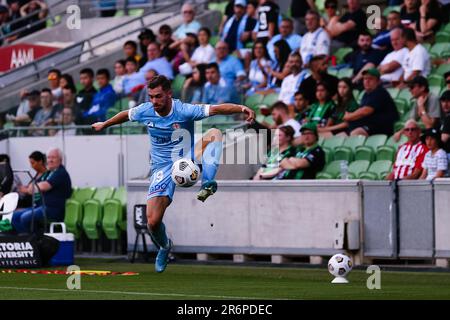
x=442, y=217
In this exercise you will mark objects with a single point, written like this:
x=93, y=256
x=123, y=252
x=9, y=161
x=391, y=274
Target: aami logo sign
x=17, y=55
x=18, y=251
x=21, y=57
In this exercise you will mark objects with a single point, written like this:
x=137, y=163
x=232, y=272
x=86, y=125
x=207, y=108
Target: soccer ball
x=185, y=173
x=340, y=265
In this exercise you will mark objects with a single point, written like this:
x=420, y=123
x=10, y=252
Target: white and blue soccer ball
x=340, y=265
x=185, y=173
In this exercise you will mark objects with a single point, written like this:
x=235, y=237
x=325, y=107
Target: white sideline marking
x=135, y=293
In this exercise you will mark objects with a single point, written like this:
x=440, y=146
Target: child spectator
x=435, y=164
x=321, y=110
x=120, y=72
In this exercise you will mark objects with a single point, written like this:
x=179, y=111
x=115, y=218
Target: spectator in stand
x=189, y=25
x=6, y=175
x=309, y=159
x=318, y=68
x=83, y=99
x=5, y=27
x=410, y=155
x=204, y=53
x=193, y=86
x=216, y=89
x=187, y=47
x=37, y=163
x=130, y=49
x=34, y=105
x=47, y=115
x=35, y=11
x=120, y=72
x=447, y=79
x=54, y=77
x=133, y=80
x=409, y=13
x=430, y=20
x=292, y=82
x=165, y=39
x=301, y=107
x=69, y=95
x=67, y=120
x=156, y=62
x=299, y=9
x=417, y=62
x=286, y=33
x=258, y=73
x=268, y=19
x=381, y=39
x=14, y=17
x=56, y=188
x=143, y=94
x=67, y=81
x=365, y=57
x=377, y=112
x=391, y=67
x=394, y=20
x=322, y=110
x=279, y=68
x=345, y=103
x=435, y=163
x=281, y=117
x=281, y=148
x=316, y=41
x=426, y=104
x=229, y=11
x=104, y=99
x=107, y=8
x=345, y=30
x=445, y=123
x=330, y=12
x=231, y=68
x=145, y=38
x=236, y=30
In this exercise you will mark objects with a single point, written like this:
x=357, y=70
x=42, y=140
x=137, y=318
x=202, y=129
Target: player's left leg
x=209, y=150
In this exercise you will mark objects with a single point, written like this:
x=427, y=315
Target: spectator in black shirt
x=34, y=105
x=318, y=67
x=268, y=16
x=236, y=29
x=83, y=100
x=298, y=12
x=165, y=39
x=145, y=38
x=345, y=30
x=445, y=127
x=430, y=20
x=35, y=11
x=377, y=112
x=409, y=13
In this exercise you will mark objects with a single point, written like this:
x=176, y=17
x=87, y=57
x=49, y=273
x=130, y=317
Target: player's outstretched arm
x=119, y=118
x=231, y=108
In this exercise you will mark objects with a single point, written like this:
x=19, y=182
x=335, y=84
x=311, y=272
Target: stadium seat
x=378, y=170
x=331, y=171
x=114, y=214
x=74, y=209
x=356, y=168
x=177, y=85
x=402, y=105
x=436, y=80
x=341, y=53
x=399, y=125
x=345, y=73
x=270, y=99
x=442, y=69
x=254, y=100
x=330, y=144
x=405, y=94
x=333, y=71
x=386, y=153
x=121, y=104
x=348, y=148
x=440, y=50
x=213, y=40
x=111, y=112
x=442, y=36
x=435, y=90
x=93, y=212
x=369, y=149
x=393, y=92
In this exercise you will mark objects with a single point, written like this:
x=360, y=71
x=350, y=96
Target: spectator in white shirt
x=120, y=72
x=316, y=41
x=391, y=67
x=204, y=53
x=417, y=62
x=435, y=164
x=286, y=30
x=292, y=82
x=280, y=116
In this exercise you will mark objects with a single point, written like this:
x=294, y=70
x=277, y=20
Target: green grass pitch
x=194, y=281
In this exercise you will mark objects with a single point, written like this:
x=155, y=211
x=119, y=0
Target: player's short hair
x=104, y=72
x=160, y=80
x=37, y=156
x=213, y=65
x=87, y=71
x=280, y=105
x=130, y=43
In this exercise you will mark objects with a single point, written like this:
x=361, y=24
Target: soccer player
x=163, y=115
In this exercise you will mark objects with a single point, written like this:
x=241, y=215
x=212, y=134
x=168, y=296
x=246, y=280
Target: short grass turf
x=182, y=281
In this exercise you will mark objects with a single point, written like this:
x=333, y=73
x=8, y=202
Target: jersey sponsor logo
x=158, y=187
x=176, y=126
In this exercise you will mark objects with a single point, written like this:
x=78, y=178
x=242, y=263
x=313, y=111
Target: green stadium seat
x=356, y=168
x=440, y=50
x=369, y=149
x=389, y=9
x=111, y=112
x=93, y=212
x=446, y=27
x=341, y=53
x=121, y=104
x=114, y=214
x=348, y=148
x=402, y=105
x=356, y=94
x=345, y=73
x=330, y=144
x=218, y=6
x=436, y=80
x=331, y=171
x=393, y=92
x=435, y=90
x=177, y=85
x=213, y=40
x=135, y=12
x=270, y=99
x=442, y=69
x=74, y=210
x=254, y=100
x=386, y=153
x=333, y=71
x=427, y=46
x=399, y=125
x=442, y=36
x=378, y=169
x=405, y=94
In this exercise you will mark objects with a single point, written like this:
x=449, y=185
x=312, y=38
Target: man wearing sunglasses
x=189, y=24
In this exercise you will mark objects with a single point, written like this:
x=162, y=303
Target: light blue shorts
x=161, y=183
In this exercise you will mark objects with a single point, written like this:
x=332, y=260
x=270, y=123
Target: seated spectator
x=377, y=112
x=83, y=99
x=231, y=68
x=330, y=8
x=447, y=79
x=132, y=81
x=37, y=163
x=445, y=123
x=292, y=82
x=316, y=41
x=104, y=99
x=165, y=39
x=34, y=105
x=258, y=73
x=391, y=67
x=67, y=120
x=301, y=107
x=68, y=102
x=426, y=104
x=430, y=20
x=130, y=50
x=35, y=11
x=193, y=87
x=435, y=163
x=268, y=20
x=365, y=57
x=344, y=30
x=143, y=94
x=67, y=81
x=229, y=11
x=394, y=20
x=156, y=62
x=54, y=77
x=281, y=117
x=145, y=37
x=56, y=188
x=204, y=53
x=345, y=103
x=309, y=160
x=14, y=18
x=6, y=175
x=299, y=10
x=187, y=48
x=189, y=25
x=279, y=68
x=318, y=67
x=417, y=61
x=410, y=155
x=237, y=29
x=286, y=32
x=383, y=39
x=281, y=148
x=409, y=13
x=321, y=110
x=47, y=114
x=120, y=72
x=216, y=89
